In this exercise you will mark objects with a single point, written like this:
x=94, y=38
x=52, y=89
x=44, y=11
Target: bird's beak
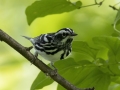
x=74, y=34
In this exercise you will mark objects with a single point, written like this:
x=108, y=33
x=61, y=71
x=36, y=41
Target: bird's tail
x=27, y=37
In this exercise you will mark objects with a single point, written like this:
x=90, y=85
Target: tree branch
x=38, y=63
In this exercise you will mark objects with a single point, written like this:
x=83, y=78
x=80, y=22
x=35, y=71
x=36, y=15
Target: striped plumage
x=53, y=46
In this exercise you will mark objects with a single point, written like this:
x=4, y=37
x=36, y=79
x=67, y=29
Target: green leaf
x=97, y=79
x=41, y=81
x=84, y=51
x=113, y=44
x=85, y=74
x=67, y=66
x=86, y=77
x=47, y=7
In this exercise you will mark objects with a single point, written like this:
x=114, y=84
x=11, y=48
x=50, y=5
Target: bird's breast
x=50, y=57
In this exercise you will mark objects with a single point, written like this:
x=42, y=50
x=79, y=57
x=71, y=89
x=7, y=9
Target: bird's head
x=63, y=35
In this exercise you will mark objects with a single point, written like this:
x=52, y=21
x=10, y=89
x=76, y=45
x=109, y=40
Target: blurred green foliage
x=96, y=64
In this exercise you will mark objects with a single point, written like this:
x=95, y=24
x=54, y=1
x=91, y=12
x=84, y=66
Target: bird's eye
x=64, y=34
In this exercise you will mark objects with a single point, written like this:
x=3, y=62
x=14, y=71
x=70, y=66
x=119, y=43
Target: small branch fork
x=38, y=63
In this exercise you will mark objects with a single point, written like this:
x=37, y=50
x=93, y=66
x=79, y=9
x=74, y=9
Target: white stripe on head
x=70, y=30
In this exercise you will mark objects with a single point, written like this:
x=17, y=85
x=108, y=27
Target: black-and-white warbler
x=53, y=46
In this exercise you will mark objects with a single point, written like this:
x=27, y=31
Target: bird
x=53, y=46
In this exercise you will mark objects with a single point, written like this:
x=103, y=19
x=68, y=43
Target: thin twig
x=38, y=63
x=113, y=7
x=96, y=3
